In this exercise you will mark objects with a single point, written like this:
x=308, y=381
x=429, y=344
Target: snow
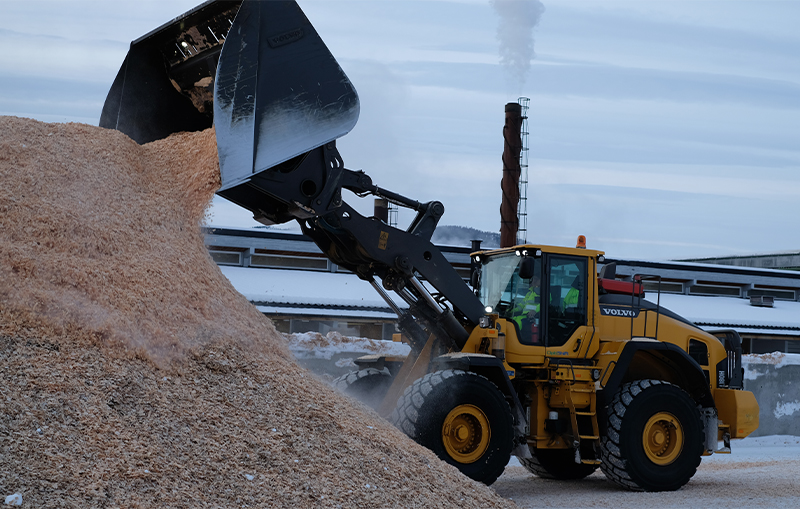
x=757, y=365
x=731, y=311
x=786, y=409
x=777, y=359
x=768, y=448
x=303, y=287
x=315, y=345
x=315, y=292
x=332, y=312
x=716, y=266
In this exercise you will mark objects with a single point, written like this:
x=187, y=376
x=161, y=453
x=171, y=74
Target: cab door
x=566, y=296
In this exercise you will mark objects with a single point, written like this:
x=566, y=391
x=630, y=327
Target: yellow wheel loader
x=545, y=355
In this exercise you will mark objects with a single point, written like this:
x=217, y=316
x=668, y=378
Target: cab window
x=514, y=298
x=567, y=296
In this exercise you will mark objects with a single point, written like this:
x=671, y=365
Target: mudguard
x=689, y=372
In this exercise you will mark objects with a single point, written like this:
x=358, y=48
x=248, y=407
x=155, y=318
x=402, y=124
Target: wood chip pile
x=133, y=375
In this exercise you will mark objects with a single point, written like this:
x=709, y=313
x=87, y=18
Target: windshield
x=502, y=290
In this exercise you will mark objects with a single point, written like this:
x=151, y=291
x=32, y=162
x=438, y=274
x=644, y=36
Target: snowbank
x=333, y=355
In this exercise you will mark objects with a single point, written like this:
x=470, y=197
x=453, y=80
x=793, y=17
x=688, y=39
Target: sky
x=659, y=129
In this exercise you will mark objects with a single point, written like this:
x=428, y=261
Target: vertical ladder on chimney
x=522, y=207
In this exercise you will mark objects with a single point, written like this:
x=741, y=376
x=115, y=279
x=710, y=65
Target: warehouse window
x=705, y=289
x=288, y=262
x=226, y=257
x=773, y=292
x=664, y=287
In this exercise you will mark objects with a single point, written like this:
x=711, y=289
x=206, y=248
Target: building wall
x=256, y=249
x=373, y=329
x=772, y=379
x=785, y=261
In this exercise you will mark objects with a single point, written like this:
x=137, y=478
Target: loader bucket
x=165, y=84
x=279, y=91
x=257, y=70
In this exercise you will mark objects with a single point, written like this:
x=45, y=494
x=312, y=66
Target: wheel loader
x=545, y=355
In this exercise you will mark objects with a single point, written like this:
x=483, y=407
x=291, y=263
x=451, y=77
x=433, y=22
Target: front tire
x=366, y=385
x=655, y=437
x=463, y=418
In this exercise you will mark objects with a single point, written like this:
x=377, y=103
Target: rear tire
x=556, y=464
x=366, y=385
x=654, y=439
x=463, y=418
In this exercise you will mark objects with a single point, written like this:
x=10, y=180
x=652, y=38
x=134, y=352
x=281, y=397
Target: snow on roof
x=321, y=312
x=732, y=312
x=314, y=292
x=752, y=330
x=303, y=288
x=751, y=255
x=715, y=267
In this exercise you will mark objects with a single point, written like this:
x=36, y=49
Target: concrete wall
x=773, y=378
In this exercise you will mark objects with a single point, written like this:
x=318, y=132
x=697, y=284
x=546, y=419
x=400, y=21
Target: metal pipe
x=397, y=199
x=386, y=297
x=425, y=294
x=407, y=296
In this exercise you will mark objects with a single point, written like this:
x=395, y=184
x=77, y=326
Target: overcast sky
x=658, y=129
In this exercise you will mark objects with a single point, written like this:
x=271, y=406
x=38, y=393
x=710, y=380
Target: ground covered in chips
x=133, y=375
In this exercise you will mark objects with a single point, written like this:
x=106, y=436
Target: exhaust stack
x=512, y=136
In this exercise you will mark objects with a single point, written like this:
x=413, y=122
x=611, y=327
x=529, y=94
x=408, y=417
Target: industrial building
x=785, y=261
x=289, y=280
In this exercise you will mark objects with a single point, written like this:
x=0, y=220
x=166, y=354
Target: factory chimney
x=509, y=221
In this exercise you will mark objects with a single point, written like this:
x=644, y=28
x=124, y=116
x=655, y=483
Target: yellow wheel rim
x=663, y=438
x=466, y=433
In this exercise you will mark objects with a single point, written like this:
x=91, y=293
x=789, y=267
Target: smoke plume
x=515, y=35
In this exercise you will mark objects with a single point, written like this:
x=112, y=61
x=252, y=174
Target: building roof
x=711, y=296
x=299, y=289
x=733, y=313
x=296, y=292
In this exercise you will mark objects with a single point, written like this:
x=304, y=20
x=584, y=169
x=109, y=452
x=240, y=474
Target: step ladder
x=590, y=415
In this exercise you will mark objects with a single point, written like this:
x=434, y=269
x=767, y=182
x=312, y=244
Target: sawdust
x=133, y=375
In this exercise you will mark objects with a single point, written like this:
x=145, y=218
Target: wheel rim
x=663, y=438
x=466, y=433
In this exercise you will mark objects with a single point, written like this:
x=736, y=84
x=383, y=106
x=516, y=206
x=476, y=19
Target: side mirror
x=526, y=268
x=475, y=279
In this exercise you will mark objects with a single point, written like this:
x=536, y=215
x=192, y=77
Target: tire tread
x=613, y=464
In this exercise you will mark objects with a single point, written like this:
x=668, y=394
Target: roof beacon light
x=581, y=242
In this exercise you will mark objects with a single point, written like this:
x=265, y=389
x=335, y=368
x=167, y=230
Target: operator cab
x=543, y=295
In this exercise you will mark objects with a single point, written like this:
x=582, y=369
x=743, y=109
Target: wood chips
x=133, y=375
